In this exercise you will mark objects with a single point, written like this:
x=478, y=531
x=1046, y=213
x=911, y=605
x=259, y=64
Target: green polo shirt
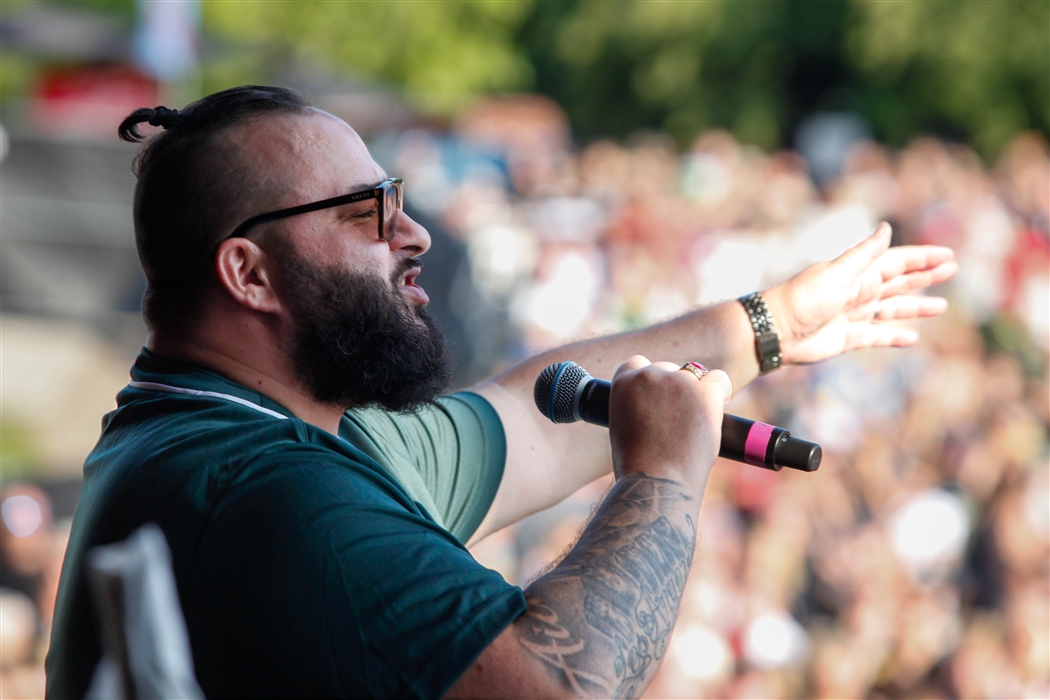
x=307, y=564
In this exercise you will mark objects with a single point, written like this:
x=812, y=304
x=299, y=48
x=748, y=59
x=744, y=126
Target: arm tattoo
x=628, y=569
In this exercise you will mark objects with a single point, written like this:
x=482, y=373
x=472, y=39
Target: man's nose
x=409, y=237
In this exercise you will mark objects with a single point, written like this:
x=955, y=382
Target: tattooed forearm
x=602, y=619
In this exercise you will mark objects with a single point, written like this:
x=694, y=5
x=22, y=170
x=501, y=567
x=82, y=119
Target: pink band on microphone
x=756, y=443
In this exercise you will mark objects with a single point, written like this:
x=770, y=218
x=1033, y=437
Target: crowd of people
x=915, y=562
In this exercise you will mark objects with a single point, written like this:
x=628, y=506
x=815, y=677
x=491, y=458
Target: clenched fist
x=665, y=422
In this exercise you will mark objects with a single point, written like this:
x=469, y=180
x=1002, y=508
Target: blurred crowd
x=32, y=544
x=915, y=562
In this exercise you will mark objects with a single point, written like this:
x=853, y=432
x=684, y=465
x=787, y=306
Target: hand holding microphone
x=664, y=422
x=565, y=392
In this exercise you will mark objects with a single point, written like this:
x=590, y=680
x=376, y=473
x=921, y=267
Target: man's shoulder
x=440, y=430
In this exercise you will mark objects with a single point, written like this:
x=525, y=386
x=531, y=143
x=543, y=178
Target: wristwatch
x=767, y=342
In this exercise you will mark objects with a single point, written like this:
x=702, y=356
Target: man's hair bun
x=183, y=193
x=157, y=116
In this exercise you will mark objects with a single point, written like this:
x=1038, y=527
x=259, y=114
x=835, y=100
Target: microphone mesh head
x=562, y=379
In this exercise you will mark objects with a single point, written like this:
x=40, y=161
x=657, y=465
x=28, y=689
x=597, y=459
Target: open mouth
x=411, y=290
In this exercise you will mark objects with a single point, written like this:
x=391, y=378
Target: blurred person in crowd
x=25, y=537
x=286, y=428
x=30, y=557
x=31, y=547
x=1025, y=180
x=531, y=131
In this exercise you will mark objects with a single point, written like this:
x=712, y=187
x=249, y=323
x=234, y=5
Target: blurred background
x=588, y=167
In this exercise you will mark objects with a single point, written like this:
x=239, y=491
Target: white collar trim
x=153, y=386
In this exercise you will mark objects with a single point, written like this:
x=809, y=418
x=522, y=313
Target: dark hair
x=183, y=182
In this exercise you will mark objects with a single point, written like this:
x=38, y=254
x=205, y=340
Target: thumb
x=858, y=258
x=725, y=385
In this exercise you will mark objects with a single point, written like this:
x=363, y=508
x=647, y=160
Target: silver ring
x=878, y=312
x=697, y=369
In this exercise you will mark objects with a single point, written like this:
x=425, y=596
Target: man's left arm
x=827, y=309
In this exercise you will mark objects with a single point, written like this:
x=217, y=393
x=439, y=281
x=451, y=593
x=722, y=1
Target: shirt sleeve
x=454, y=450
x=326, y=574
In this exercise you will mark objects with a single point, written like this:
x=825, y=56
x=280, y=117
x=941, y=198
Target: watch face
x=769, y=350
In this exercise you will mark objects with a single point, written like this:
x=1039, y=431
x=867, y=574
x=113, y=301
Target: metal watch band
x=767, y=342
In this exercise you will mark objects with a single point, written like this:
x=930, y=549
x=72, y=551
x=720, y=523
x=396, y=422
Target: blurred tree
x=972, y=69
x=684, y=67
x=981, y=67
x=122, y=8
x=975, y=70
x=16, y=74
x=444, y=53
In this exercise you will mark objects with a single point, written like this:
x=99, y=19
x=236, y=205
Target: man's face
x=359, y=332
x=303, y=158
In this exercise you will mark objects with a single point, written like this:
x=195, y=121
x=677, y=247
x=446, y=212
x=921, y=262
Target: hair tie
x=163, y=117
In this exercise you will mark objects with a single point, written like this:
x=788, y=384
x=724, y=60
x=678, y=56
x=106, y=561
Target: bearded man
x=285, y=427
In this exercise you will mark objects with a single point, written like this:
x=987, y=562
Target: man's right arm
x=598, y=624
x=825, y=310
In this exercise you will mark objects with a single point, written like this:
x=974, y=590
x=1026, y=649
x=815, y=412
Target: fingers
x=917, y=280
x=712, y=380
x=902, y=269
x=912, y=258
x=714, y=383
x=905, y=307
x=861, y=256
x=716, y=377
x=868, y=335
x=870, y=311
x=723, y=386
x=635, y=362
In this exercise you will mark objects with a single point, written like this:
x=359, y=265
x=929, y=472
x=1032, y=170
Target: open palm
x=833, y=307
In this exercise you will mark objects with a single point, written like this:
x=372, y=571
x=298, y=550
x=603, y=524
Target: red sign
x=89, y=101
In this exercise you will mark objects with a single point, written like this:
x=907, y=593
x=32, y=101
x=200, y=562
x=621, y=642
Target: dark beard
x=358, y=343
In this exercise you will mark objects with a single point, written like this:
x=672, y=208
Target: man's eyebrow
x=366, y=185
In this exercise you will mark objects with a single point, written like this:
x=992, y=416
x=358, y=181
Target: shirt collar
x=159, y=370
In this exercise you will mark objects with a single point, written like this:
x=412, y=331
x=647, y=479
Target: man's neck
x=256, y=370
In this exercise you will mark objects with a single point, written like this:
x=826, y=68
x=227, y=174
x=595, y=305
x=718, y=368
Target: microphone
x=566, y=393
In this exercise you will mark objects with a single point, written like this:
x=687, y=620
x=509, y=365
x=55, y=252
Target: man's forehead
x=308, y=147
x=311, y=126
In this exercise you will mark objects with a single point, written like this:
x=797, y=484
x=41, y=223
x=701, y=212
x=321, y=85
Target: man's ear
x=246, y=272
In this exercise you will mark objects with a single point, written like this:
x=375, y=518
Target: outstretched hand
x=833, y=307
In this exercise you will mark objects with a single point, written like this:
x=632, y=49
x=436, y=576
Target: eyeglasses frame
x=377, y=193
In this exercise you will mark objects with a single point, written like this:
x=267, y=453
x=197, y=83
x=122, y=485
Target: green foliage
x=974, y=69
x=684, y=67
x=16, y=74
x=119, y=8
x=19, y=453
x=1005, y=333
x=983, y=67
x=444, y=53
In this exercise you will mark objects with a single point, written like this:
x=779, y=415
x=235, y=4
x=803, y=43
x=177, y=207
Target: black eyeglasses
x=389, y=193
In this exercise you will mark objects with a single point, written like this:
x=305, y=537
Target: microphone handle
x=593, y=402
x=743, y=440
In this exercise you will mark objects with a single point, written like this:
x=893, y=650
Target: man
x=282, y=428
